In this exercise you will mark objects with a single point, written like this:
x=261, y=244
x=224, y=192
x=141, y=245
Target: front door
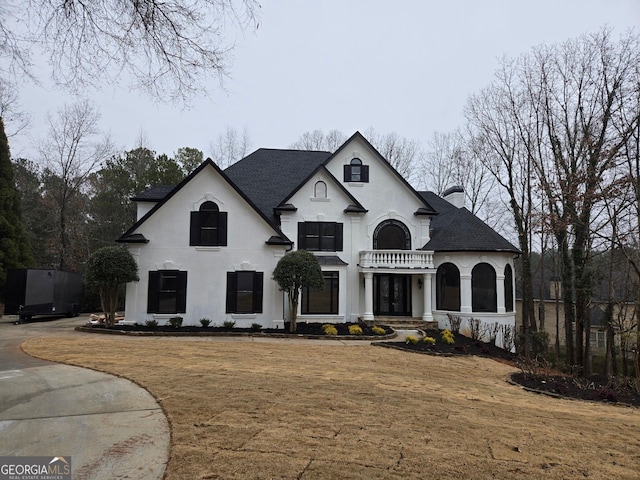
x=392, y=295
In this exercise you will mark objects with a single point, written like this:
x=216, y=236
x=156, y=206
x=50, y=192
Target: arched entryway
x=392, y=292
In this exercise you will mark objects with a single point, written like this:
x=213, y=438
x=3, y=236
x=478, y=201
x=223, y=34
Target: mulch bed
x=462, y=346
x=596, y=388
x=304, y=329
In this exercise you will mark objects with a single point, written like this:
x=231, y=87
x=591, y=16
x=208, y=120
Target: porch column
x=500, y=293
x=427, y=316
x=368, y=296
x=465, y=293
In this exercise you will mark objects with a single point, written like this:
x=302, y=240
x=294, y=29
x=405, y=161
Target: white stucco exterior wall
x=168, y=233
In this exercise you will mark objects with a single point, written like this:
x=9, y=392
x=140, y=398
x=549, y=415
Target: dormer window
x=320, y=190
x=355, y=171
x=208, y=226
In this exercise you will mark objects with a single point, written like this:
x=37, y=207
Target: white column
x=500, y=293
x=427, y=316
x=368, y=296
x=465, y=293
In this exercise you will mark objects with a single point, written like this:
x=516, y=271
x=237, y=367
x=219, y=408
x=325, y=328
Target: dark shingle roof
x=154, y=194
x=268, y=176
x=457, y=229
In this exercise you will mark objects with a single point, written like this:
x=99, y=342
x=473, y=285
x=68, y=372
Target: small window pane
x=244, y=295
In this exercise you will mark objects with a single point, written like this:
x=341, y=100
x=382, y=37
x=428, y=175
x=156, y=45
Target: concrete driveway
x=109, y=427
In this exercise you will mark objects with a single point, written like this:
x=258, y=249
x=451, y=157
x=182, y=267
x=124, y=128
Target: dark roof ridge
x=288, y=150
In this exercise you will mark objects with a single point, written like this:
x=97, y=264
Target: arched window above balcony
x=391, y=235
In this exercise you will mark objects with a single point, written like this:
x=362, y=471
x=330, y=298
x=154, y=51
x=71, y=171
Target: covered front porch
x=391, y=278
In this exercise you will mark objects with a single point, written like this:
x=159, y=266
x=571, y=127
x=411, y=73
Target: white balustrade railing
x=396, y=259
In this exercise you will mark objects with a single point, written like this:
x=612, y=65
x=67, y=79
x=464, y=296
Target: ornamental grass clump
x=429, y=340
x=378, y=330
x=205, y=322
x=447, y=337
x=411, y=340
x=329, y=329
x=355, y=330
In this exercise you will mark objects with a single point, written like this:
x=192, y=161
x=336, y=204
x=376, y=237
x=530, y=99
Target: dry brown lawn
x=249, y=410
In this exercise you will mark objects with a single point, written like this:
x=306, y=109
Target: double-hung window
x=320, y=236
x=208, y=226
x=244, y=292
x=167, y=292
x=355, y=171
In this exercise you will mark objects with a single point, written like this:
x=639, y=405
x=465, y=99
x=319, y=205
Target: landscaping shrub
x=229, y=323
x=175, y=322
x=256, y=327
x=447, y=337
x=455, y=321
x=607, y=394
x=205, y=322
x=329, y=329
x=378, y=330
x=152, y=324
x=508, y=337
x=411, y=339
x=355, y=330
x=429, y=340
x=475, y=330
x=490, y=330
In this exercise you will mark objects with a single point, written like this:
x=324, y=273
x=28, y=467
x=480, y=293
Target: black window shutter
x=194, y=230
x=302, y=235
x=152, y=293
x=181, y=293
x=222, y=229
x=232, y=291
x=364, y=173
x=339, y=241
x=258, y=280
x=347, y=173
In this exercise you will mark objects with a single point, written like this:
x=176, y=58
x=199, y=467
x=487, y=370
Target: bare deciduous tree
x=451, y=159
x=10, y=111
x=229, y=147
x=401, y=152
x=500, y=127
x=72, y=150
x=169, y=48
x=316, y=140
x=560, y=117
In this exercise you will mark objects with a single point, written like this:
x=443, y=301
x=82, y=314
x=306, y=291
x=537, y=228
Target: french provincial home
x=207, y=247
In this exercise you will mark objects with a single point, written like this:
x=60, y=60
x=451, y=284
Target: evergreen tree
x=14, y=244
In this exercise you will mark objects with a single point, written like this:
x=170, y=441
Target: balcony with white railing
x=396, y=259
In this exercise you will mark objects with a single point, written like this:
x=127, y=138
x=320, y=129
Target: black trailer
x=43, y=292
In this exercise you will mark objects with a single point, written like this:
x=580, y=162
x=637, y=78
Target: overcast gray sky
x=403, y=66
